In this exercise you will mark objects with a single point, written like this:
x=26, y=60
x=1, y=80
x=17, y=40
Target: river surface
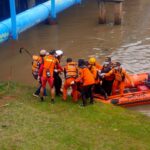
x=79, y=35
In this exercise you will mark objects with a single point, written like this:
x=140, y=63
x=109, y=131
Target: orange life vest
x=98, y=66
x=119, y=75
x=71, y=70
x=37, y=60
x=94, y=71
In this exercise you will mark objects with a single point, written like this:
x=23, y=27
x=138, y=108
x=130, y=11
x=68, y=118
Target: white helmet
x=59, y=53
x=43, y=52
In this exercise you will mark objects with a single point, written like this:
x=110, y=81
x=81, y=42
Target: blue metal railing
x=31, y=17
x=13, y=19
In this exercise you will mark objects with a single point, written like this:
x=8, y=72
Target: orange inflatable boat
x=139, y=95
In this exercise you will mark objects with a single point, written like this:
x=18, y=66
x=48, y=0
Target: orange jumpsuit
x=119, y=82
x=87, y=80
x=70, y=72
x=98, y=66
x=49, y=65
x=97, y=88
x=94, y=72
x=86, y=77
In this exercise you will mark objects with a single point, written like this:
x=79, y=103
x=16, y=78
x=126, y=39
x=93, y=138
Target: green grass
x=28, y=124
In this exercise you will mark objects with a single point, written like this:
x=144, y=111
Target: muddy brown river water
x=79, y=35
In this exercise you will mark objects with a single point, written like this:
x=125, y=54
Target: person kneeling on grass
x=107, y=82
x=87, y=80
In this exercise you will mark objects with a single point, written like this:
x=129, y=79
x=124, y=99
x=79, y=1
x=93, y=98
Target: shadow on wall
x=21, y=5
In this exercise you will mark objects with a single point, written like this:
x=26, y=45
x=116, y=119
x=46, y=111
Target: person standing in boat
x=120, y=76
x=107, y=82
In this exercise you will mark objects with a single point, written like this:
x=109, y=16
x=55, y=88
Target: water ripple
x=134, y=57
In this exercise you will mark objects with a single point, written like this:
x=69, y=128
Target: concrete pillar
x=118, y=13
x=102, y=13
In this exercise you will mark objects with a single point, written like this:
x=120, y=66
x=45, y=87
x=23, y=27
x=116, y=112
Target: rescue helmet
x=107, y=59
x=69, y=60
x=35, y=57
x=86, y=63
x=47, y=53
x=59, y=53
x=81, y=62
x=52, y=52
x=43, y=52
x=92, y=61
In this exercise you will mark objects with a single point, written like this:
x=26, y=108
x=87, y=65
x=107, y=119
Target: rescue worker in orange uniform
x=97, y=87
x=36, y=63
x=87, y=80
x=98, y=66
x=120, y=76
x=47, y=72
x=107, y=82
x=70, y=73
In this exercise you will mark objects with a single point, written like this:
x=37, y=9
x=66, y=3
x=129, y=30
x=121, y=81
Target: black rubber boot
x=106, y=96
x=82, y=105
x=42, y=99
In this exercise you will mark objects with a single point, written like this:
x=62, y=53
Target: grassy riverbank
x=28, y=124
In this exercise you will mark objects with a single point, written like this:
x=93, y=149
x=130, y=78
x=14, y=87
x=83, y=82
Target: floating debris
x=97, y=49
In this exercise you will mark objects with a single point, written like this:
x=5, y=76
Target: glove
x=100, y=82
x=55, y=70
x=132, y=84
x=72, y=83
x=102, y=75
x=39, y=79
x=99, y=72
